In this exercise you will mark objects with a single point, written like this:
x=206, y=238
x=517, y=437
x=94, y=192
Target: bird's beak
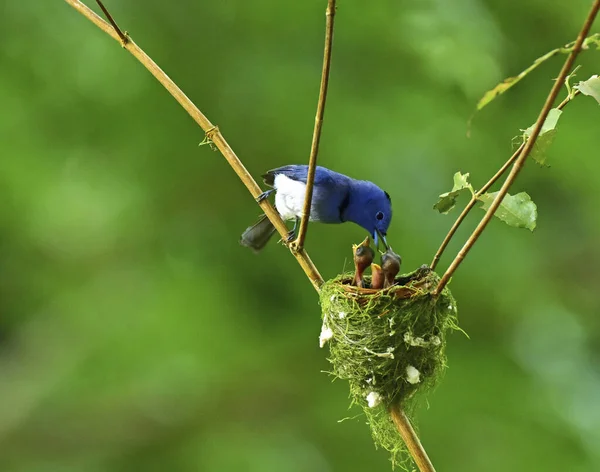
x=376, y=238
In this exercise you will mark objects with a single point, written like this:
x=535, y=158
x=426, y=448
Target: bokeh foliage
x=136, y=334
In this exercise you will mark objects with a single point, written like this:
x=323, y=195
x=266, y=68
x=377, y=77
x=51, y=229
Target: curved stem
x=314, y=149
x=212, y=132
x=410, y=438
x=518, y=165
x=485, y=188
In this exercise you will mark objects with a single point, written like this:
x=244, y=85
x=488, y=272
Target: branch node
x=125, y=40
x=210, y=132
x=295, y=246
x=208, y=138
x=124, y=37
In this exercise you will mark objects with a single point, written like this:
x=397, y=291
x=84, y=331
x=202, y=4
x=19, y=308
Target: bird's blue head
x=371, y=208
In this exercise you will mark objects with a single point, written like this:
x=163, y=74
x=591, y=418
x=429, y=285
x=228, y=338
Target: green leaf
x=511, y=81
x=506, y=84
x=498, y=90
x=515, y=210
x=461, y=181
x=447, y=201
x=545, y=138
x=542, y=144
x=590, y=87
x=548, y=125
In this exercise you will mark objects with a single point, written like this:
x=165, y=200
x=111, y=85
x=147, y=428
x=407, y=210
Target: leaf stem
x=518, y=165
x=410, y=438
x=212, y=132
x=298, y=244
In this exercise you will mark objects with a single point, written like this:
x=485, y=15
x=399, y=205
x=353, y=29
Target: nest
x=389, y=344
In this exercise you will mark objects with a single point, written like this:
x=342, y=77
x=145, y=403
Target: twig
x=212, y=133
x=416, y=449
x=111, y=20
x=485, y=188
x=470, y=205
x=518, y=165
x=314, y=149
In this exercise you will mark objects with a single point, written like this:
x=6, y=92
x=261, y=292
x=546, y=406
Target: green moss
x=378, y=335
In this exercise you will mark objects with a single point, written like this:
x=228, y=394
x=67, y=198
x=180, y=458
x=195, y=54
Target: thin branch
x=111, y=20
x=212, y=133
x=518, y=165
x=470, y=205
x=416, y=449
x=485, y=188
x=314, y=149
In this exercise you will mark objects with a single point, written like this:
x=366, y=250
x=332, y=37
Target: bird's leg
x=265, y=194
x=292, y=234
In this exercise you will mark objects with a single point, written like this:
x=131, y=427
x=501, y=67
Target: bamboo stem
x=314, y=149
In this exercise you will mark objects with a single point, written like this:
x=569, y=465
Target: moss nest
x=389, y=344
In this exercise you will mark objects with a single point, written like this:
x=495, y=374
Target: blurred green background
x=135, y=332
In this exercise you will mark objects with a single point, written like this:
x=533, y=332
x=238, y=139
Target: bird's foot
x=266, y=194
x=290, y=239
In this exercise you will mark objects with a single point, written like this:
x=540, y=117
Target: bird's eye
x=379, y=215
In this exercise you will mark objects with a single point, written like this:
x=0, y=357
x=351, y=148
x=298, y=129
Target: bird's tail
x=257, y=236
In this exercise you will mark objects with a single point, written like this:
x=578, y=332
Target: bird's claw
x=266, y=194
x=291, y=237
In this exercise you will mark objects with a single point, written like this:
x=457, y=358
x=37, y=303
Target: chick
x=377, y=277
x=390, y=263
x=363, y=257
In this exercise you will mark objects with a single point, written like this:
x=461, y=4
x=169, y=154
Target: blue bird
x=336, y=198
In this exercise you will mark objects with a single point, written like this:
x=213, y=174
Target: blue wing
x=330, y=194
x=323, y=176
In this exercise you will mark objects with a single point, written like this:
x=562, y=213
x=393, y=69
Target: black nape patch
x=388, y=196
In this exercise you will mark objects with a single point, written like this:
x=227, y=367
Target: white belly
x=289, y=197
